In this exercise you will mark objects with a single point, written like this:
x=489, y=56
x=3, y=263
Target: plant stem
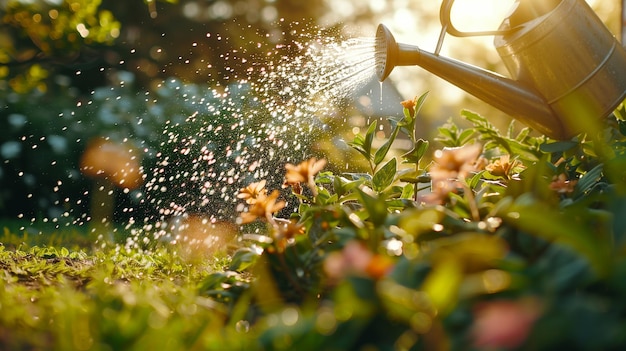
x=471, y=202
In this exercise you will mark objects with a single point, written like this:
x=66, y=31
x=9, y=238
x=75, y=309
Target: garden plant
x=490, y=241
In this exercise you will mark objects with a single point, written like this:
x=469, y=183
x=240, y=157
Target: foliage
x=510, y=234
x=86, y=41
x=40, y=32
x=498, y=243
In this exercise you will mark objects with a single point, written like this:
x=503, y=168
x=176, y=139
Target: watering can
x=567, y=70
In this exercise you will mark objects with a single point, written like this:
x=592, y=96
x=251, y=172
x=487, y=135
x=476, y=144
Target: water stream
x=218, y=137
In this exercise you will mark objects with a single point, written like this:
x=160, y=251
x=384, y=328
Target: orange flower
x=562, y=185
x=263, y=207
x=355, y=258
x=303, y=172
x=455, y=163
x=285, y=231
x=451, y=165
x=379, y=266
x=502, y=167
x=253, y=192
x=409, y=105
x=116, y=162
x=291, y=229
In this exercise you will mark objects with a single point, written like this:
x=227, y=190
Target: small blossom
x=291, y=229
x=455, y=163
x=451, y=165
x=263, y=207
x=481, y=163
x=355, y=258
x=253, y=192
x=409, y=105
x=304, y=173
x=504, y=324
x=379, y=266
x=284, y=233
x=502, y=167
x=562, y=185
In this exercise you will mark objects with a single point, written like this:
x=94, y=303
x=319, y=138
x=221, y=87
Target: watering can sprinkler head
x=567, y=70
x=385, y=52
x=388, y=53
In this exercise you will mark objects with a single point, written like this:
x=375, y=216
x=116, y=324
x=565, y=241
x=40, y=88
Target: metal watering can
x=567, y=70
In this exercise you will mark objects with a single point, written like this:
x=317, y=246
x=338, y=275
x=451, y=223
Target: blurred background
x=72, y=71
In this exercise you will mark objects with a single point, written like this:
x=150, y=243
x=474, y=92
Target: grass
x=59, y=292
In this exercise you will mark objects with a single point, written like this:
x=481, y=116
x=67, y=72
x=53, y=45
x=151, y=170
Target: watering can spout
x=516, y=99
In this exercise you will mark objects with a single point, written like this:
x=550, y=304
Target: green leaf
x=376, y=208
x=212, y=281
x=324, y=197
x=559, y=146
x=369, y=138
x=243, y=259
x=587, y=181
x=523, y=150
x=383, y=150
x=447, y=136
x=338, y=186
x=543, y=220
x=465, y=136
x=408, y=191
x=477, y=119
x=491, y=134
x=523, y=134
x=384, y=176
x=415, y=155
x=358, y=144
x=420, y=102
x=412, y=176
x=408, y=120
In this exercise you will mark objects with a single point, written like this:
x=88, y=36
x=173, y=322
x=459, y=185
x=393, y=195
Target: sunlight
x=485, y=15
x=480, y=15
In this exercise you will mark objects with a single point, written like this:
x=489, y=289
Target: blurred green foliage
x=86, y=41
x=40, y=33
x=525, y=253
x=523, y=246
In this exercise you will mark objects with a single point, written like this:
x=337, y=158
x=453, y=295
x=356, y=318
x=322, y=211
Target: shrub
x=497, y=243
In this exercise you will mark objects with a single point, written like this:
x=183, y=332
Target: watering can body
x=571, y=59
x=566, y=69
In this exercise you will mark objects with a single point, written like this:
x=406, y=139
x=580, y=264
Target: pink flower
x=455, y=163
x=451, y=166
x=356, y=258
x=504, y=323
x=562, y=185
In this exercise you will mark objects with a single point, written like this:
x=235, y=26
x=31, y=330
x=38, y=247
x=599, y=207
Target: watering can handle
x=446, y=22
